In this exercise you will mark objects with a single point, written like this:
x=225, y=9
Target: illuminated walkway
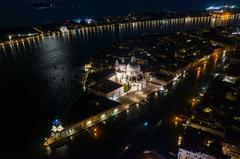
x=135, y=97
x=126, y=101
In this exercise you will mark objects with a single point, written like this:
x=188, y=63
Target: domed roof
x=133, y=67
x=122, y=67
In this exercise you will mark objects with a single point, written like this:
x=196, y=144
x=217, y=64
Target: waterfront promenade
x=134, y=27
x=125, y=102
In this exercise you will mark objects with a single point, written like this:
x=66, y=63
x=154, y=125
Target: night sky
x=19, y=12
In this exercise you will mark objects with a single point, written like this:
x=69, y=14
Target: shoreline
x=100, y=117
x=54, y=29
x=74, y=129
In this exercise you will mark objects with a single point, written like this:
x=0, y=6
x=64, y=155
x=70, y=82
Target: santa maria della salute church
x=129, y=74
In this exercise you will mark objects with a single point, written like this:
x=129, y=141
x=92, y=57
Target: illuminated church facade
x=129, y=74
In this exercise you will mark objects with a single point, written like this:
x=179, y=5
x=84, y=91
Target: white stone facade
x=185, y=154
x=130, y=74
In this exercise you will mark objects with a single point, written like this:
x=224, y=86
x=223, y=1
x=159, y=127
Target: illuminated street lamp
x=103, y=116
x=10, y=37
x=89, y=123
x=193, y=102
x=179, y=140
x=115, y=110
x=176, y=123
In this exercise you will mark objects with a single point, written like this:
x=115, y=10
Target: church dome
x=133, y=67
x=122, y=67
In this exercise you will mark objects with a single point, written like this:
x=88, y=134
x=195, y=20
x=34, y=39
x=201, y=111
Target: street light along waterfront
x=135, y=28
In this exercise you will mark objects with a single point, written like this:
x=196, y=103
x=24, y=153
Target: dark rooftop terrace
x=162, y=76
x=87, y=106
x=106, y=86
x=196, y=141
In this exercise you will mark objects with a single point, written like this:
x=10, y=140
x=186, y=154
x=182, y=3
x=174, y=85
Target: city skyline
x=20, y=13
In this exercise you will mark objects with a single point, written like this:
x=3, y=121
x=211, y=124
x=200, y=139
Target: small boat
x=159, y=122
x=127, y=147
x=172, y=154
x=42, y=5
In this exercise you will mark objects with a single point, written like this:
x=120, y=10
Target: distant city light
x=89, y=21
x=63, y=29
x=77, y=20
x=145, y=124
x=212, y=8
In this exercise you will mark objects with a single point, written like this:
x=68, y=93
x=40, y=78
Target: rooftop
x=87, y=106
x=202, y=142
x=105, y=86
x=162, y=76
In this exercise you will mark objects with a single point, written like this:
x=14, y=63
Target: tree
x=127, y=87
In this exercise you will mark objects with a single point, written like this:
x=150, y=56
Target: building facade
x=107, y=89
x=129, y=74
x=185, y=154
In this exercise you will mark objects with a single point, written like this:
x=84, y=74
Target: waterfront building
x=231, y=150
x=63, y=29
x=173, y=71
x=208, y=126
x=161, y=79
x=129, y=74
x=187, y=154
x=107, y=89
x=56, y=128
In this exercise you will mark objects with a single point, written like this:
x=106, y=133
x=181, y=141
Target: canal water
x=37, y=83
